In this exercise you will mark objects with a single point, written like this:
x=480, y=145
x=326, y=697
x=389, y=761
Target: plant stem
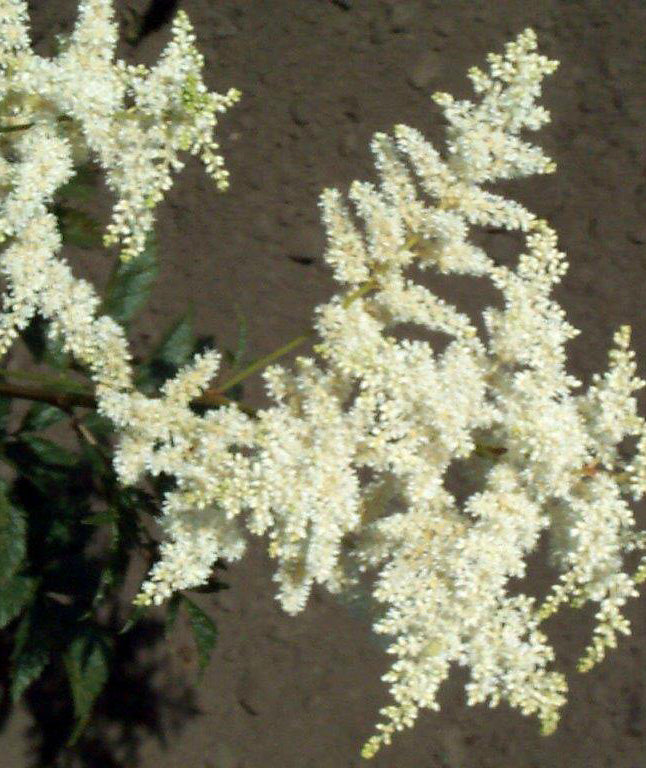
x=60, y=399
x=368, y=286
x=74, y=398
x=55, y=382
x=264, y=361
x=73, y=394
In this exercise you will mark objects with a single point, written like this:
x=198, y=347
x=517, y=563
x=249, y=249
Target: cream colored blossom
x=137, y=146
x=345, y=473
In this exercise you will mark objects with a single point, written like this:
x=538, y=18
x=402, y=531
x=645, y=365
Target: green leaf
x=212, y=585
x=130, y=284
x=47, y=479
x=99, y=464
x=78, y=228
x=242, y=338
x=27, y=668
x=15, y=594
x=175, y=349
x=132, y=500
x=13, y=530
x=86, y=662
x=29, y=657
x=100, y=426
x=47, y=451
x=5, y=408
x=102, y=517
x=135, y=617
x=133, y=25
x=171, y=616
x=176, y=346
x=43, y=348
x=82, y=186
x=40, y=416
x=204, y=632
x=124, y=530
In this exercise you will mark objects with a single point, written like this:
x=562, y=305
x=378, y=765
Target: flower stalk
x=369, y=404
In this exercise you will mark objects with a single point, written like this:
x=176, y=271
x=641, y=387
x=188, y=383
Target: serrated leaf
x=13, y=529
x=28, y=659
x=43, y=348
x=124, y=530
x=172, y=610
x=100, y=426
x=40, y=416
x=78, y=228
x=82, y=186
x=137, y=614
x=133, y=25
x=176, y=346
x=48, y=452
x=204, y=632
x=47, y=479
x=175, y=349
x=242, y=338
x=102, y=517
x=86, y=663
x=5, y=408
x=27, y=668
x=130, y=285
x=100, y=465
x=15, y=594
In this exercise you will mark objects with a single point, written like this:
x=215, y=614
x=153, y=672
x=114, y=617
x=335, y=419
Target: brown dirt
x=318, y=80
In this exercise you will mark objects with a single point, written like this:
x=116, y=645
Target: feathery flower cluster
x=346, y=472
x=135, y=145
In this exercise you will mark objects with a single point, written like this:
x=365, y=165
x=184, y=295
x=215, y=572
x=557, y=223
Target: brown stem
x=65, y=400
x=210, y=398
x=62, y=400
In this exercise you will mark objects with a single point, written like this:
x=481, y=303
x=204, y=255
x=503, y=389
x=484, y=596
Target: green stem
x=72, y=393
x=60, y=382
x=58, y=397
x=370, y=285
x=264, y=361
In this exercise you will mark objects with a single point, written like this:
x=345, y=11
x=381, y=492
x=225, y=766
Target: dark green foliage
x=15, y=593
x=78, y=228
x=51, y=587
x=12, y=536
x=40, y=416
x=55, y=582
x=82, y=186
x=5, y=408
x=43, y=348
x=130, y=284
x=87, y=661
x=175, y=349
x=204, y=632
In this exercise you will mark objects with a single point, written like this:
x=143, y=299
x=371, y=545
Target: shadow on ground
x=130, y=708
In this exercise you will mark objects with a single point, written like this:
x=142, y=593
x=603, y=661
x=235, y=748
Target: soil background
x=318, y=79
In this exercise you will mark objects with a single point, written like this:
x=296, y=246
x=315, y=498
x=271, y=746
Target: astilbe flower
x=134, y=150
x=346, y=472
x=137, y=145
x=445, y=567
